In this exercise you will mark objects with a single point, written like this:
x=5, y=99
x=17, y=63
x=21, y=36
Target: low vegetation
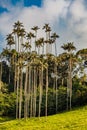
x=72, y=120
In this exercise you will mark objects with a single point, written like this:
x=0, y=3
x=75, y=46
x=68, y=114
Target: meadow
x=75, y=119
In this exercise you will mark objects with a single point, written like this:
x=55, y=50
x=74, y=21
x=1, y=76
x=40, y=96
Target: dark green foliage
x=79, y=97
x=79, y=94
x=7, y=104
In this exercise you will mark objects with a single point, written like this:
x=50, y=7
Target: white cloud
x=73, y=14
x=78, y=10
x=55, y=9
x=78, y=22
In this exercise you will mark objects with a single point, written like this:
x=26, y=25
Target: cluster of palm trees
x=33, y=69
x=34, y=63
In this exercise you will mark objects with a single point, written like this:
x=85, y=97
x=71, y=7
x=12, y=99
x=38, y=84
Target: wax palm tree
x=40, y=87
x=54, y=74
x=47, y=29
x=18, y=28
x=20, y=64
x=42, y=44
x=43, y=67
x=63, y=70
x=50, y=42
x=26, y=94
x=55, y=36
x=10, y=40
x=69, y=47
x=35, y=28
x=26, y=46
x=33, y=82
x=56, y=85
x=39, y=43
x=29, y=36
x=22, y=35
x=82, y=53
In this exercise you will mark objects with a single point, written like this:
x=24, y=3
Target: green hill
x=72, y=120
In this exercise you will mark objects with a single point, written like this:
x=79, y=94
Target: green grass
x=72, y=120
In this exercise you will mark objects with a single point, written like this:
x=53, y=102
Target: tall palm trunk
x=0, y=74
x=35, y=39
x=21, y=42
x=70, y=82
x=41, y=88
x=17, y=92
x=29, y=89
x=68, y=91
x=15, y=42
x=38, y=50
x=43, y=49
x=56, y=88
x=35, y=94
x=25, y=94
x=56, y=97
x=46, y=91
x=20, y=98
x=18, y=45
x=9, y=77
x=46, y=43
x=31, y=101
x=15, y=74
x=55, y=49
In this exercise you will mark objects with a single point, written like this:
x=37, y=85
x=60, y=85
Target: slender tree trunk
x=25, y=94
x=20, y=98
x=38, y=50
x=31, y=101
x=56, y=88
x=36, y=92
x=56, y=97
x=15, y=74
x=29, y=90
x=18, y=45
x=17, y=93
x=41, y=88
x=70, y=81
x=47, y=46
x=15, y=43
x=35, y=39
x=0, y=74
x=35, y=87
x=21, y=41
x=67, y=92
x=62, y=81
x=54, y=81
x=9, y=74
x=55, y=49
x=46, y=91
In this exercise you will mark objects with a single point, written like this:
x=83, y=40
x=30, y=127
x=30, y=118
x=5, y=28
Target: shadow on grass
x=4, y=119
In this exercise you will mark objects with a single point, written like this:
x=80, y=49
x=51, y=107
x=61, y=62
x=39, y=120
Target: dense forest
x=34, y=79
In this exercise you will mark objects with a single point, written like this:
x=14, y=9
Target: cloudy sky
x=68, y=18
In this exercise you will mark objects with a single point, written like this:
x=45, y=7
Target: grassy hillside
x=72, y=120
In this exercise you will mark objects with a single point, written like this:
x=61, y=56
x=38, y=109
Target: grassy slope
x=72, y=120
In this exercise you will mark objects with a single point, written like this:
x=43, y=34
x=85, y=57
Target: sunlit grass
x=72, y=120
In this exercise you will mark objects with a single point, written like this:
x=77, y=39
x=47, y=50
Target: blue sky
x=32, y=2
x=68, y=18
x=24, y=3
